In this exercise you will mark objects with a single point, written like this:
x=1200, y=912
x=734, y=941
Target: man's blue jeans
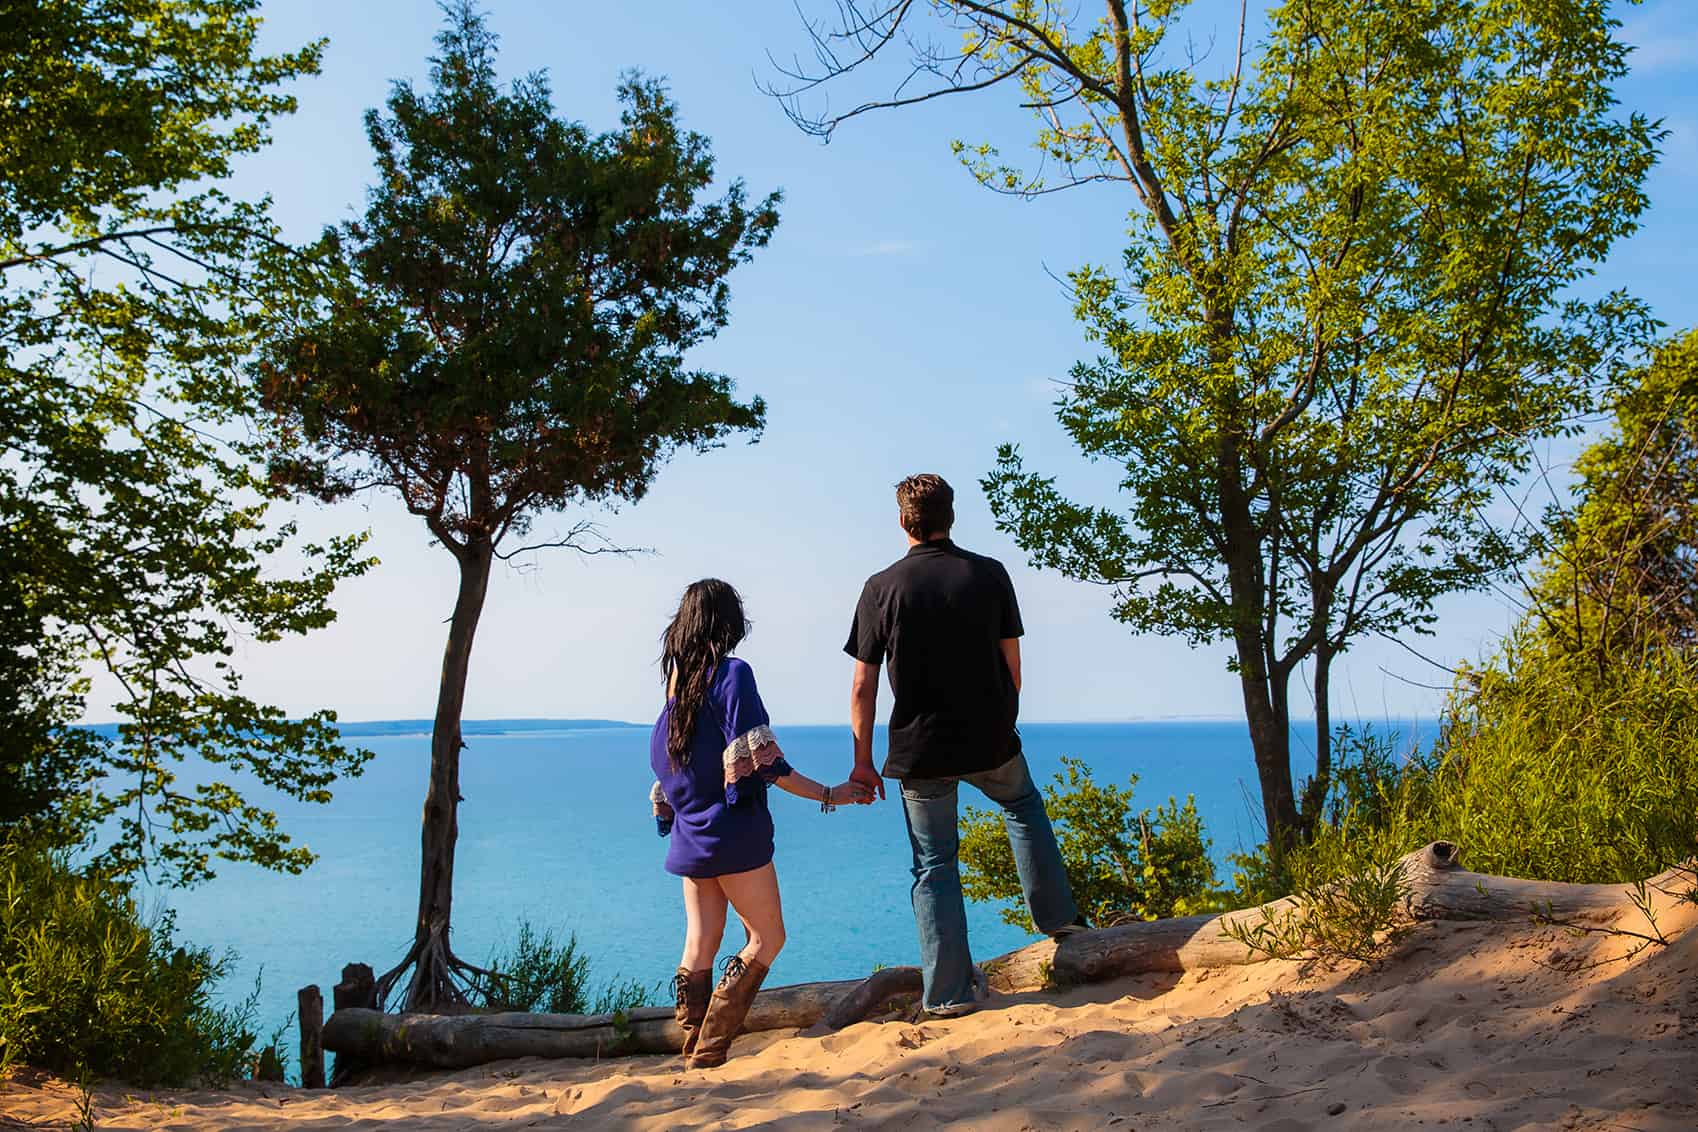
x=930, y=805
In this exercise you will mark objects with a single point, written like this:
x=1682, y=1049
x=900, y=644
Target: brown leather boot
x=691, y=989
x=726, y=1011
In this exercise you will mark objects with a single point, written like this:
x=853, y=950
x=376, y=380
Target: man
x=947, y=622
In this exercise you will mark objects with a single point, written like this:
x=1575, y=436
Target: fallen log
x=1438, y=889
x=454, y=1041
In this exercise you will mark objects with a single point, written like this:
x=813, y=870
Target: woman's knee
x=707, y=934
x=766, y=944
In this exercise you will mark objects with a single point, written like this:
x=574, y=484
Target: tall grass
x=1545, y=768
x=88, y=988
x=1552, y=769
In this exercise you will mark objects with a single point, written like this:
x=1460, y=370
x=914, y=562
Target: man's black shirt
x=939, y=616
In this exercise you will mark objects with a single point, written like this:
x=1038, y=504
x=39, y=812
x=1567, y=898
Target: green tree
x=1120, y=864
x=133, y=530
x=1343, y=314
x=509, y=340
x=1622, y=577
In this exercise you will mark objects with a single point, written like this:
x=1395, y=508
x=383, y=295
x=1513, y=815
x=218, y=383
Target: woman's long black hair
x=708, y=625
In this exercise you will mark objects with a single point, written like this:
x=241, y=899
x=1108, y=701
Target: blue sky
x=902, y=320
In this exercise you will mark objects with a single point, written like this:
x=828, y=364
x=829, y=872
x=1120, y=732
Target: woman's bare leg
x=704, y=922
x=754, y=895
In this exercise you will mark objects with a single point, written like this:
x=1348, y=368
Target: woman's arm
x=802, y=786
x=843, y=794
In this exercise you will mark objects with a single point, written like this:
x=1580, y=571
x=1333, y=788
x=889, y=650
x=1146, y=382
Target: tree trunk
x=1263, y=691
x=1438, y=889
x=1270, y=741
x=1315, y=796
x=433, y=983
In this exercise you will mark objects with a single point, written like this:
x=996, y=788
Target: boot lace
x=734, y=968
x=680, y=987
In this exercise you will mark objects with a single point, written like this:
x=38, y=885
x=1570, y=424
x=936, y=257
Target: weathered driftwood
x=1439, y=889
x=310, y=1010
x=454, y=1041
x=871, y=993
x=356, y=991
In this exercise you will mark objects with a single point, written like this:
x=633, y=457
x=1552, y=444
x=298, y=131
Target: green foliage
x=1546, y=768
x=1621, y=579
x=1572, y=755
x=501, y=335
x=44, y=762
x=508, y=326
x=113, y=101
x=539, y=974
x=133, y=528
x=1345, y=308
x=1551, y=769
x=269, y=1061
x=88, y=988
x=1121, y=864
x=1359, y=915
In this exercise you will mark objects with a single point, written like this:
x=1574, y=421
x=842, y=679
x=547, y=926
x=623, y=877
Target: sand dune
x=1475, y=1026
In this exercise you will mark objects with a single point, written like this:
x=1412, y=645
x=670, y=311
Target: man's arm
x=1011, y=654
x=863, y=704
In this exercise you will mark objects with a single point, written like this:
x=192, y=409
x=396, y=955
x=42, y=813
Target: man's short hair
x=928, y=505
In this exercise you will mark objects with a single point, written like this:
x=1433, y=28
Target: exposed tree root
x=441, y=982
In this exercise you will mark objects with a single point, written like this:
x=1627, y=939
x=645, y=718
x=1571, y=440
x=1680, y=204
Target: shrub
x=1552, y=769
x=1121, y=864
x=538, y=973
x=1357, y=914
x=1350, y=891
x=1546, y=768
x=88, y=988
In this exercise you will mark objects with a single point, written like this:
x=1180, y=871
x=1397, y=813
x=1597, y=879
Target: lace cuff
x=662, y=809
x=752, y=755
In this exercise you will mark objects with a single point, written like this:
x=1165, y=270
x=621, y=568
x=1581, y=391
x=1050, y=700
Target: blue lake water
x=555, y=828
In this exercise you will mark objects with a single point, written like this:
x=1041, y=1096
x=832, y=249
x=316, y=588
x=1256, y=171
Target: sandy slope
x=1471, y=1025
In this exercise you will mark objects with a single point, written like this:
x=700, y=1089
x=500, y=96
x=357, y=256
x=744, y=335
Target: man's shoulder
x=984, y=561
x=982, y=567
x=886, y=577
x=909, y=568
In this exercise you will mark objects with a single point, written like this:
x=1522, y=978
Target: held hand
x=868, y=779
x=850, y=793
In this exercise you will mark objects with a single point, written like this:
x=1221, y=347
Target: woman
x=713, y=756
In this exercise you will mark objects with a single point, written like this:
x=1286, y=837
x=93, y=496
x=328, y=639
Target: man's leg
x=928, y=804
x=1036, y=855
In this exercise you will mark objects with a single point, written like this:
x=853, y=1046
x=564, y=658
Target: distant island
x=377, y=727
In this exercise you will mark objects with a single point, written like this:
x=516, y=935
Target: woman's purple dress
x=713, y=808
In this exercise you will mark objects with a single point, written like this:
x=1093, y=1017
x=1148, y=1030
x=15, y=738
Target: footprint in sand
x=1096, y=1046
x=915, y=1037
x=1395, y=1072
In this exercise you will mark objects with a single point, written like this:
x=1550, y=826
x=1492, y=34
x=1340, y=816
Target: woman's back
x=718, y=827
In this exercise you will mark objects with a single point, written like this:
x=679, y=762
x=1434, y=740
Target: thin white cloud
x=1661, y=41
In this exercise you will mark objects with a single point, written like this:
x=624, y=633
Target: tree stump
x=310, y=1010
x=356, y=991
